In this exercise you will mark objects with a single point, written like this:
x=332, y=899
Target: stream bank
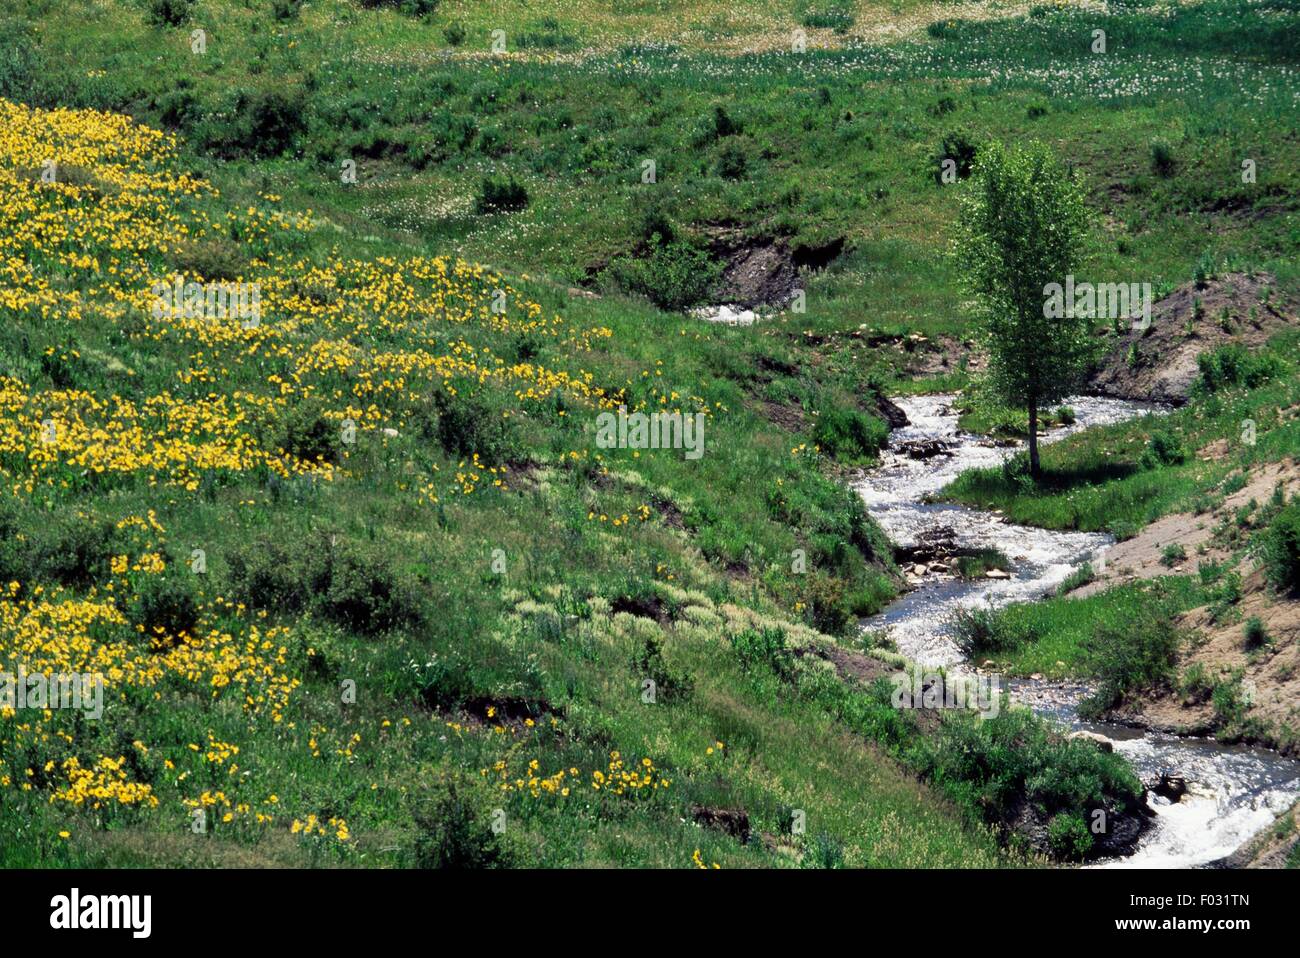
x=1233, y=792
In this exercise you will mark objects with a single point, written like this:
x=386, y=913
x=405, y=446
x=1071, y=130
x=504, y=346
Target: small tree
x=1022, y=227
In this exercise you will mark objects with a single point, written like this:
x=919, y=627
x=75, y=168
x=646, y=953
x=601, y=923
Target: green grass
x=1053, y=636
x=839, y=144
x=1106, y=479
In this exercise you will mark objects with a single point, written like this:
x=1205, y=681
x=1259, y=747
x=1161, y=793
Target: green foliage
x=1140, y=654
x=671, y=684
x=674, y=275
x=960, y=148
x=500, y=194
x=1173, y=554
x=469, y=422
x=1069, y=837
x=1255, y=635
x=451, y=833
x=995, y=764
x=1165, y=448
x=165, y=606
x=1162, y=158
x=1232, y=365
x=169, y=13
x=763, y=647
x=850, y=436
x=1279, y=547
x=354, y=586
x=1022, y=229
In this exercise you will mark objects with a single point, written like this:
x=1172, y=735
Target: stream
x=1234, y=791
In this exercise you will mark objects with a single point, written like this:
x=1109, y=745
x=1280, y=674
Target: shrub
x=452, y=835
x=269, y=121
x=164, y=604
x=997, y=766
x=1162, y=158
x=468, y=423
x=824, y=851
x=286, y=9
x=500, y=194
x=70, y=548
x=983, y=630
x=411, y=8
x=454, y=33
x=304, y=432
x=957, y=146
x=1255, y=633
x=1068, y=837
x=1279, y=548
x=849, y=436
x=1163, y=449
x=1172, y=554
x=763, y=647
x=362, y=590
x=670, y=684
x=975, y=565
x=1232, y=365
x=1130, y=655
x=675, y=275
x=365, y=595
x=834, y=15
x=168, y=13
x=732, y=162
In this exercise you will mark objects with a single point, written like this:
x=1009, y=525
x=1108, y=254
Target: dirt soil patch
x=1141, y=556
x=1159, y=363
x=764, y=271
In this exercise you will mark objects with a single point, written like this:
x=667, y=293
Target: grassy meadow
x=364, y=586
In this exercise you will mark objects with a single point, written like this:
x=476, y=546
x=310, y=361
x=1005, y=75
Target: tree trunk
x=1033, y=439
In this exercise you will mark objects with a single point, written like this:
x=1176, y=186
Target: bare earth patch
x=1159, y=363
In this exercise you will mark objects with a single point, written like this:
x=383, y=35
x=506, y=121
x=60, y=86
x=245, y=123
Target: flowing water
x=1233, y=791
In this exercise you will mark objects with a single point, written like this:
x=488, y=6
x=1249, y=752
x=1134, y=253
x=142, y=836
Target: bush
x=1162, y=158
x=500, y=194
x=365, y=596
x=849, y=436
x=670, y=684
x=164, y=605
x=983, y=631
x=1256, y=635
x=763, y=647
x=674, y=275
x=70, y=548
x=834, y=15
x=168, y=13
x=997, y=766
x=1280, y=550
x=454, y=33
x=268, y=121
x=1163, y=449
x=304, y=432
x=1232, y=365
x=1172, y=554
x=732, y=163
x=452, y=835
x=411, y=8
x=957, y=146
x=1130, y=655
x=361, y=590
x=469, y=424
x=1069, y=838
